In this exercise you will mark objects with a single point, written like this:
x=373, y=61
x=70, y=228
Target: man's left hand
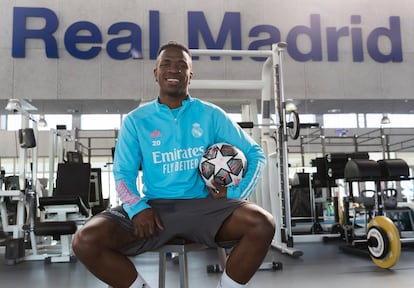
x=218, y=191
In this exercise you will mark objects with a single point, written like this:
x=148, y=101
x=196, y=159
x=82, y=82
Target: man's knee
x=264, y=223
x=83, y=240
x=259, y=222
x=92, y=238
x=256, y=220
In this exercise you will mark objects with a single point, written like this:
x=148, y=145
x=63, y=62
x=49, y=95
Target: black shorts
x=196, y=220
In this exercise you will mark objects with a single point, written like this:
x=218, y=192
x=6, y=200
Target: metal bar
x=369, y=132
x=218, y=52
x=227, y=84
x=402, y=148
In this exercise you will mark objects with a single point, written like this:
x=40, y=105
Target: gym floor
x=321, y=265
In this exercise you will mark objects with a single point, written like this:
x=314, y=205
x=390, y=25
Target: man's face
x=173, y=72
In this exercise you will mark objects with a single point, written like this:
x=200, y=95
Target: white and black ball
x=224, y=163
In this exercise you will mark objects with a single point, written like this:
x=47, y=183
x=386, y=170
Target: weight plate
x=293, y=125
x=387, y=252
x=378, y=242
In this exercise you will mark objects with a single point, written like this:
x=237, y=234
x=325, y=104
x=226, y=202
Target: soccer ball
x=224, y=163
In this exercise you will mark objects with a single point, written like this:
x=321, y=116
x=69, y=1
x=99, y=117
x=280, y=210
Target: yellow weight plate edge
x=393, y=234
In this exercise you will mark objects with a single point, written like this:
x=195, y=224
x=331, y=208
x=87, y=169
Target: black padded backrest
x=73, y=179
x=362, y=170
x=74, y=156
x=394, y=169
x=12, y=182
x=301, y=179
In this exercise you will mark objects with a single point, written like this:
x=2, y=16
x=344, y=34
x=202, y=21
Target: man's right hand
x=145, y=223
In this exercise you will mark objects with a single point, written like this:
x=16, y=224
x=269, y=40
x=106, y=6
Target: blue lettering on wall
x=394, y=35
x=84, y=40
x=333, y=35
x=154, y=27
x=274, y=37
x=356, y=39
x=314, y=34
x=72, y=38
x=21, y=33
x=133, y=41
x=198, y=26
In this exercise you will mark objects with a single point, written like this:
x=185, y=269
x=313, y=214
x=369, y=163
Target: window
x=374, y=120
x=56, y=119
x=236, y=117
x=307, y=118
x=340, y=120
x=14, y=122
x=100, y=121
x=402, y=120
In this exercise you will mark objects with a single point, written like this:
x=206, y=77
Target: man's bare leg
x=255, y=228
x=96, y=246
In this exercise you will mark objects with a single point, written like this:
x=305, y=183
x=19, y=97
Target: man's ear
x=191, y=77
x=155, y=74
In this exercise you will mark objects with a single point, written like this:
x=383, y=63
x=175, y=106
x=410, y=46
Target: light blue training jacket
x=168, y=145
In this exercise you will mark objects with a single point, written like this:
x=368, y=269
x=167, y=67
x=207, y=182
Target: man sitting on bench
x=167, y=137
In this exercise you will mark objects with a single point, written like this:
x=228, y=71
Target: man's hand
x=218, y=191
x=145, y=223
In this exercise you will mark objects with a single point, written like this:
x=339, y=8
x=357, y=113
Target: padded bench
x=62, y=229
x=57, y=209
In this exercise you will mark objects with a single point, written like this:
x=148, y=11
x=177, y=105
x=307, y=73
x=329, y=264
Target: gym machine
x=266, y=195
x=275, y=188
x=23, y=233
x=382, y=239
x=23, y=192
x=278, y=159
x=329, y=170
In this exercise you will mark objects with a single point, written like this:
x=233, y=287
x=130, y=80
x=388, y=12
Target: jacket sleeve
x=232, y=133
x=128, y=157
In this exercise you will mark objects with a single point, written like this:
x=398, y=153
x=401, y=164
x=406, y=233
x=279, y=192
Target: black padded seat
x=55, y=228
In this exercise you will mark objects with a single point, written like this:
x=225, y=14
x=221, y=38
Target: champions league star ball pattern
x=224, y=163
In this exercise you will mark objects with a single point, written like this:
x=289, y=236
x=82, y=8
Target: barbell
x=383, y=242
x=293, y=125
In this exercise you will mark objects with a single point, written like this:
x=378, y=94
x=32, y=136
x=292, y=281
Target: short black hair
x=174, y=44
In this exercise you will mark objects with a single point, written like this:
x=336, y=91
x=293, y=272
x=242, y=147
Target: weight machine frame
x=23, y=230
x=275, y=188
x=24, y=197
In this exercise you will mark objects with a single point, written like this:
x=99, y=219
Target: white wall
x=39, y=77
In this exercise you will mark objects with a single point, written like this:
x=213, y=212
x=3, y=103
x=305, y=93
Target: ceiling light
x=385, y=120
x=42, y=121
x=13, y=105
x=19, y=105
x=290, y=105
x=334, y=110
